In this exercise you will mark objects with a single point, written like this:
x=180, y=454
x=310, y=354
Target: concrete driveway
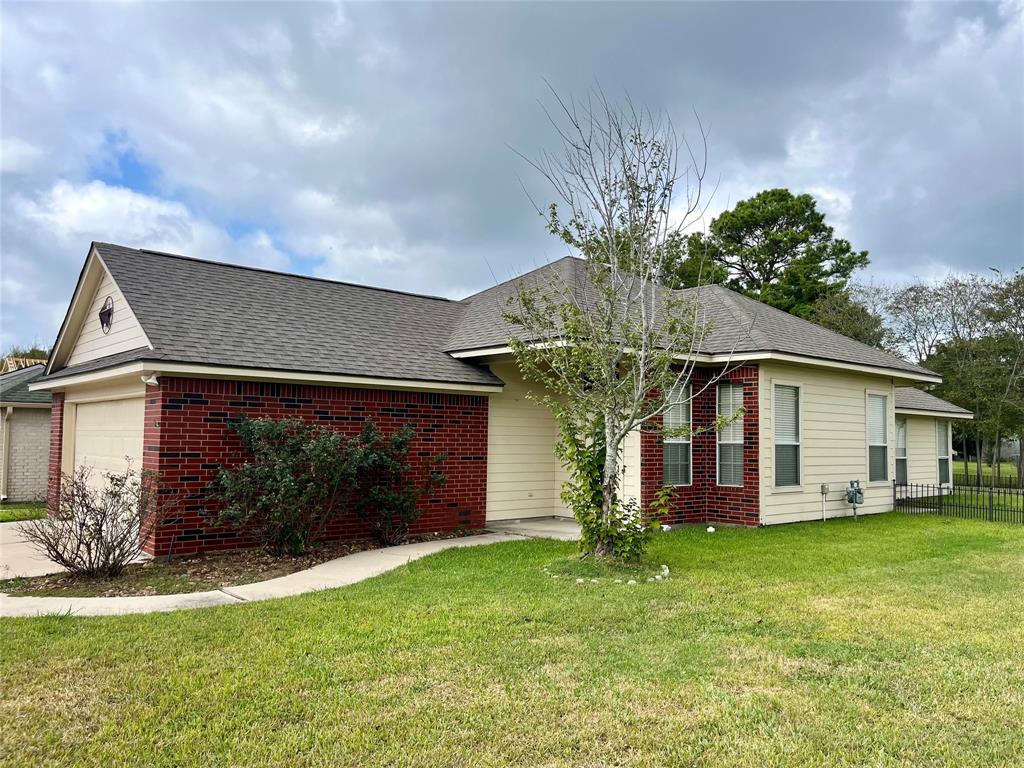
x=563, y=528
x=19, y=558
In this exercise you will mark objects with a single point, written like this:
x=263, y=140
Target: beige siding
x=25, y=469
x=833, y=418
x=630, y=488
x=523, y=475
x=125, y=331
x=922, y=450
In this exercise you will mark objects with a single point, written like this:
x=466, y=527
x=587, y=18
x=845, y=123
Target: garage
x=107, y=432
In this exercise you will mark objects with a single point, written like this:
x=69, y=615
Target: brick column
x=56, y=450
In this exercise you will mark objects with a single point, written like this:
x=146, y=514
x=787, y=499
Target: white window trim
x=906, y=447
x=890, y=424
x=688, y=440
x=718, y=439
x=799, y=487
x=948, y=456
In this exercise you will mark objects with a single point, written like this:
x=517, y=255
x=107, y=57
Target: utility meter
x=855, y=495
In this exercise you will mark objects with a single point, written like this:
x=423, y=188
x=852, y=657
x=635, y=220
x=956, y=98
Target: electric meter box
x=855, y=494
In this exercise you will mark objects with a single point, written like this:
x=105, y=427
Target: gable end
x=84, y=337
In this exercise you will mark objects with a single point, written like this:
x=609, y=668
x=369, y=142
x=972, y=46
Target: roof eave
x=936, y=414
x=146, y=367
x=923, y=375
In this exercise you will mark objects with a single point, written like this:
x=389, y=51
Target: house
x=24, y=434
x=158, y=352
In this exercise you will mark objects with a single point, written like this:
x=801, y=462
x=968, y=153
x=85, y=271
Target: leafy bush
x=302, y=476
x=386, y=493
x=298, y=479
x=626, y=532
x=98, y=530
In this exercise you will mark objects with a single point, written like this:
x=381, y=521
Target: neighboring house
x=159, y=352
x=24, y=435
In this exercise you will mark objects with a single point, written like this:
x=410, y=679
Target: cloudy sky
x=371, y=143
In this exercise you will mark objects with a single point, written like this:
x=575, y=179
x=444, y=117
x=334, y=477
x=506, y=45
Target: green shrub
x=626, y=532
x=386, y=492
x=298, y=479
x=302, y=476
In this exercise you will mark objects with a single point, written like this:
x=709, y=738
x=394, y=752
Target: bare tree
x=612, y=349
x=915, y=319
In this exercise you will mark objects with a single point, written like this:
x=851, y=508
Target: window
x=901, y=451
x=878, y=440
x=787, y=435
x=677, y=447
x=942, y=437
x=730, y=436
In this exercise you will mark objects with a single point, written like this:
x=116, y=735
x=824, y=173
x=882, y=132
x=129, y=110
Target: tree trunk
x=977, y=456
x=967, y=466
x=610, y=484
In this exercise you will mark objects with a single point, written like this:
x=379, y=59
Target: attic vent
x=107, y=314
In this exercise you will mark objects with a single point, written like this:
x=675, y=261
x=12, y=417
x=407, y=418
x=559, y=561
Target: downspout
x=8, y=413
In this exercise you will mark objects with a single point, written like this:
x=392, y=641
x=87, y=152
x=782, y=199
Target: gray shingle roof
x=14, y=386
x=737, y=323
x=220, y=314
x=211, y=313
x=914, y=399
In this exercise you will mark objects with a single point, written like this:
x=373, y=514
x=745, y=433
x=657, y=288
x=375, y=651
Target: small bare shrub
x=98, y=530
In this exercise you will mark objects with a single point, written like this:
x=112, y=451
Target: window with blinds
x=676, y=447
x=901, y=451
x=878, y=442
x=730, y=436
x=787, y=435
x=942, y=448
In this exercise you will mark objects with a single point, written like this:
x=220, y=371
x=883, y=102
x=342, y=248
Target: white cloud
x=18, y=155
x=75, y=214
x=68, y=216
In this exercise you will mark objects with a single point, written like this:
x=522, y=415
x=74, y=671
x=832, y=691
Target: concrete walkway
x=335, y=573
x=19, y=558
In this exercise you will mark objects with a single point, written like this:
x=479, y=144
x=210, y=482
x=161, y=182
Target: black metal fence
x=1003, y=505
x=969, y=481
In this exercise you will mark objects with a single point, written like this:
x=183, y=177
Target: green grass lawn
x=1006, y=469
x=21, y=510
x=893, y=641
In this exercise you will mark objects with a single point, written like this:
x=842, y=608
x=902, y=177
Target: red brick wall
x=187, y=440
x=56, y=446
x=704, y=500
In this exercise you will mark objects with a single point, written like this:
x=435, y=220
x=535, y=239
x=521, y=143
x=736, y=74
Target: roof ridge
x=568, y=257
x=277, y=272
x=776, y=310
x=742, y=316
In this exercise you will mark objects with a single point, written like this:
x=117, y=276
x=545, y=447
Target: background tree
x=611, y=350
x=689, y=262
x=32, y=352
x=777, y=248
x=968, y=328
x=847, y=312
x=1005, y=312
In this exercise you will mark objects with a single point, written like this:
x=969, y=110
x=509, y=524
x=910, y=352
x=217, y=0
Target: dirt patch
x=196, y=573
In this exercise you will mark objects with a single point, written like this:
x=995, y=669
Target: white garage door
x=107, y=432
